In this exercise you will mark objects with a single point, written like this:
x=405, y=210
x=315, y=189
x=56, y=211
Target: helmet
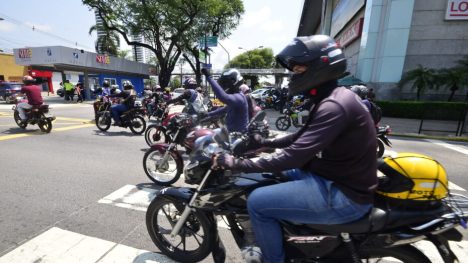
x=28, y=80
x=127, y=85
x=412, y=179
x=190, y=84
x=244, y=89
x=106, y=84
x=230, y=80
x=167, y=89
x=321, y=55
x=360, y=90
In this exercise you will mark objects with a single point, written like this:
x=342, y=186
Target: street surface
x=80, y=195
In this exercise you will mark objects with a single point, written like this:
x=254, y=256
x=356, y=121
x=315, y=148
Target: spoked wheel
x=103, y=121
x=406, y=254
x=45, y=124
x=194, y=241
x=154, y=134
x=138, y=125
x=380, y=148
x=283, y=123
x=162, y=173
x=18, y=121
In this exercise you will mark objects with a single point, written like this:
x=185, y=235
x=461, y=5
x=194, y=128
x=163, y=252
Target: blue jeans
x=117, y=110
x=307, y=198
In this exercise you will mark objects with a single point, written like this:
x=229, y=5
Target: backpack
x=375, y=111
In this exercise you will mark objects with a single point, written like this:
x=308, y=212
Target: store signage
x=25, y=53
x=457, y=10
x=103, y=59
x=351, y=34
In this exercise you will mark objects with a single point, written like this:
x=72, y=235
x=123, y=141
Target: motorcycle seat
x=375, y=220
x=40, y=107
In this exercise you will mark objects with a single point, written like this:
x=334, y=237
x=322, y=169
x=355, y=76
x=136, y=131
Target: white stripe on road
x=449, y=146
x=131, y=197
x=58, y=245
x=453, y=186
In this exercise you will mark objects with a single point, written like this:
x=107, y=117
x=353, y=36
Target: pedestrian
x=69, y=90
x=79, y=92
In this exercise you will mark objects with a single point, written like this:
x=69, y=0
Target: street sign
x=210, y=42
x=207, y=66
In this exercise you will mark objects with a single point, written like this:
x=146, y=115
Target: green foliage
x=175, y=83
x=108, y=43
x=453, y=79
x=423, y=78
x=420, y=109
x=253, y=59
x=126, y=54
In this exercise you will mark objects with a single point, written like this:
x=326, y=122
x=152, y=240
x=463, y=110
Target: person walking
x=69, y=90
x=79, y=92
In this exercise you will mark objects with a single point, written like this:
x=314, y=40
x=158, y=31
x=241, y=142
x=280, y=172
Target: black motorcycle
x=132, y=119
x=382, y=139
x=182, y=220
x=36, y=115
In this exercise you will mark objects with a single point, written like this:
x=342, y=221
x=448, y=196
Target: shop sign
x=351, y=34
x=457, y=10
x=103, y=59
x=25, y=53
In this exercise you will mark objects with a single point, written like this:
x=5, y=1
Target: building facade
x=9, y=71
x=383, y=39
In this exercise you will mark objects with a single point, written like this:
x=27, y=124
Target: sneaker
x=252, y=254
x=117, y=123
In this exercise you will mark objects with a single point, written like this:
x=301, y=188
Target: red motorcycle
x=36, y=115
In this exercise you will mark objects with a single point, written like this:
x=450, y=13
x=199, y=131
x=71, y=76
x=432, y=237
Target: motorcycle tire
x=103, y=121
x=155, y=134
x=406, y=253
x=380, y=148
x=18, y=121
x=283, y=123
x=199, y=231
x=174, y=167
x=45, y=124
x=138, y=125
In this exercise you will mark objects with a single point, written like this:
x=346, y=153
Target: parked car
x=177, y=92
x=60, y=92
x=9, y=91
x=259, y=93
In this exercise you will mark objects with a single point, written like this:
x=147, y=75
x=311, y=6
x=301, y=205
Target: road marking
x=453, y=186
x=19, y=135
x=449, y=146
x=74, y=119
x=132, y=197
x=58, y=245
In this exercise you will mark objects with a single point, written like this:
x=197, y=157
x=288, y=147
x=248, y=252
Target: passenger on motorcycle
x=129, y=96
x=252, y=105
x=33, y=93
x=227, y=91
x=194, y=99
x=330, y=161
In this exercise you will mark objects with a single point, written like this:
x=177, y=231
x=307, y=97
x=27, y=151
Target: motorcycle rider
x=330, y=161
x=227, y=90
x=33, y=93
x=129, y=96
x=194, y=99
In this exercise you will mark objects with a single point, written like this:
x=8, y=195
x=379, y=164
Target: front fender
x=161, y=147
x=176, y=194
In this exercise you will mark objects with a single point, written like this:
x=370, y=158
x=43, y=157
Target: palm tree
x=462, y=64
x=108, y=43
x=423, y=78
x=453, y=78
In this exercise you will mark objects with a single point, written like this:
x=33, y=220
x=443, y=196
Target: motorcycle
x=291, y=115
x=132, y=118
x=36, y=115
x=382, y=139
x=181, y=221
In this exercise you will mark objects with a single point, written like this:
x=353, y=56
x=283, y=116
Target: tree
x=126, y=54
x=453, y=79
x=108, y=43
x=169, y=27
x=253, y=59
x=422, y=77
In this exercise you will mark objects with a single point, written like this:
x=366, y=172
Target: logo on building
x=25, y=53
x=75, y=55
x=457, y=10
x=103, y=59
x=49, y=52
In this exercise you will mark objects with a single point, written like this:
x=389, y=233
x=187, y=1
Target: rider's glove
x=225, y=161
x=206, y=72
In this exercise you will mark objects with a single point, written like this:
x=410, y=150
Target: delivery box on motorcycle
x=410, y=180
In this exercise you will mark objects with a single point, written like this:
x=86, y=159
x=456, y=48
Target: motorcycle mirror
x=222, y=137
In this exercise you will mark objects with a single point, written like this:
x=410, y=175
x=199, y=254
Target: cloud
x=45, y=28
x=6, y=26
x=254, y=18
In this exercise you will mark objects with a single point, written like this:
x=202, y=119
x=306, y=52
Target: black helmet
x=360, y=90
x=323, y=57
x=230, y=80
x=127, y=85
x=106, y=84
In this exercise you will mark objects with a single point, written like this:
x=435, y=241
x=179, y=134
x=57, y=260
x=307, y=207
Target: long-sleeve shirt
x=33, y=92
x=237, y=113
x=338, y=143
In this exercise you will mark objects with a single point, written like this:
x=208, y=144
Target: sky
x=267, y=23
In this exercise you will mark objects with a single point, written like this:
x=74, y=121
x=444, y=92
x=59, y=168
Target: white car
x=177, y=92
x=259, y=94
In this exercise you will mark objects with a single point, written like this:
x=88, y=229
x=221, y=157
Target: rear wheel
x=103, y=120
x=195, y=239
x=155, y=134
x=162, y=173
x=406, y=254
x=138, y=125
x=45, y=124
x=283, y=123
x=18, y=121
x=380, y=148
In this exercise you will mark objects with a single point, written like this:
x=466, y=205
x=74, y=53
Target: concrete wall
x=9, y=69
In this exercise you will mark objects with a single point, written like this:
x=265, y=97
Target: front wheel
x=18, y=121
x=155, y=134
x=45, y=124
x=103, y=120
x=162, y=172
x=195, y=239
x=283, y=123
x=380, y=148
x=406, y=254
x=138, y=125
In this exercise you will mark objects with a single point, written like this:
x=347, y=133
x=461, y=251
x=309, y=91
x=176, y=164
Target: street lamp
x=229, y=57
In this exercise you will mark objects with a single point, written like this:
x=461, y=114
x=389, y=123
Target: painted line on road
x=131, y=197
x=449, y=146
x=453, y=186
x=58, y=245
x=73, y=119
x=32, y=133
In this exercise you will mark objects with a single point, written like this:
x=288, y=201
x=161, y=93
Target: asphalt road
x=55, y=190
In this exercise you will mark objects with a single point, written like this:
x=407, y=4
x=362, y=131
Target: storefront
x=55, y=64
x=383, y=39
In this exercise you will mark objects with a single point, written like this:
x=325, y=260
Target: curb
x=419, y=136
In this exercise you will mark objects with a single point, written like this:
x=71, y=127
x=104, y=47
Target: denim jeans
x=117, y=110
x=307, y=198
